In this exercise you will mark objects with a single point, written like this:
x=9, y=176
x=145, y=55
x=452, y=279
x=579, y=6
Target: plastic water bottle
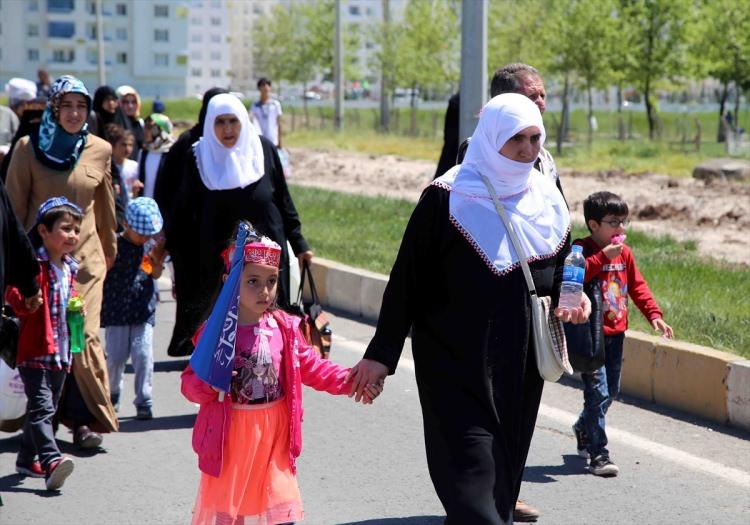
x=572, y=285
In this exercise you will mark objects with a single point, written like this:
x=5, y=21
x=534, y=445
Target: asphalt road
x=365, y=465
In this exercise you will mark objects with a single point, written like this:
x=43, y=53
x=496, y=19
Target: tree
x=428, y=49
x=583, y=46
x=721, y=49
x=655, y=33
x=517, y=32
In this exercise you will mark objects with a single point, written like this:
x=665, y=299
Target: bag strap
x=513, y=237
x=307, y=273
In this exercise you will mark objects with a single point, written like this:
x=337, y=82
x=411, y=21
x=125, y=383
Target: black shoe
x=602, y=466
x=582, y=442
x=86, y=438
x=144, y=413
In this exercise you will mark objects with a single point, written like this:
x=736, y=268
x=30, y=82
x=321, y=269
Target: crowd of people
x=108, y=198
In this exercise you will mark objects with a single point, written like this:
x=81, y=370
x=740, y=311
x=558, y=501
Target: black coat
x=18, y=264
x=265, y=203
x=477, y=378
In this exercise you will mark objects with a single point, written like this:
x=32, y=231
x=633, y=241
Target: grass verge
x=704, y=301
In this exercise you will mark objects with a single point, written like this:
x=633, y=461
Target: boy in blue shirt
x=129, y=306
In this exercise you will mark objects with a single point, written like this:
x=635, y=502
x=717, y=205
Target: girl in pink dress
x=248, y=440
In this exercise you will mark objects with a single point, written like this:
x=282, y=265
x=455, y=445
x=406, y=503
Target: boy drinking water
x=44, y=354
x=611, y=262
x=129, y=306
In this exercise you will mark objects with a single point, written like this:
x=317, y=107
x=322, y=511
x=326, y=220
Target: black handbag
x=586, y=340
x=9, y=331
x=315, y=325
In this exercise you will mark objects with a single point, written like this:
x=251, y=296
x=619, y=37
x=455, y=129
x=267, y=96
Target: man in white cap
x=20, y=90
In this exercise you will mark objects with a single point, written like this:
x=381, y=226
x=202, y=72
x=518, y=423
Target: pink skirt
x=256, y=485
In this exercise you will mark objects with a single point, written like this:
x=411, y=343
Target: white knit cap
x=20, y=90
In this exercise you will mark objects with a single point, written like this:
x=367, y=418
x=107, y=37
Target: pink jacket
x=301, y=364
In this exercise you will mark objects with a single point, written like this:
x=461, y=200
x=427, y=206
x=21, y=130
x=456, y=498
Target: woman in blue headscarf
x=63, y=159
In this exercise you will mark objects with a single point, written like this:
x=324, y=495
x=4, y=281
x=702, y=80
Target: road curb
x=693, y=378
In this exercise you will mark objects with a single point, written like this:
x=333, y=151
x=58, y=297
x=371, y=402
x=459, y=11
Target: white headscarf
x=223, y=168
x=532, y=201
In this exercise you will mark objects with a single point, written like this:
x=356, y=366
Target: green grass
x=706, y=302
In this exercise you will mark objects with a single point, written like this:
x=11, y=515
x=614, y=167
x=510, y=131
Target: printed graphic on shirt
x=617, y=267
x=255, y=382
x=615, y=295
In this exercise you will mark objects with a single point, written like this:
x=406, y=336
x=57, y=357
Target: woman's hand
x=363, y=376
x=372, y=391
x=577, y=315
x=305, y=256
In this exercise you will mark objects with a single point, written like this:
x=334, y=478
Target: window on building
x=121, y=33
x=196, y=72
x=121, y=57
x=92, y=56
x=91, y=7
x=216, y=39
x=161, y=59
x=60, y=6
x=257, y=10
x=32, y=5
x=61, y=29
x=196, y=55
x=121, y=9
x=91, y=31
x=64, y=56
x=32, y=30
x=196, y=21
x=215, y=73
x=354, y=10
x=215, y=55
x=215, y=21
x=161, y=11
x=161, y=35
x=32, y=55
x=196, y=38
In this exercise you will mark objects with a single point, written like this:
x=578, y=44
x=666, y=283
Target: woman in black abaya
x=458, y=286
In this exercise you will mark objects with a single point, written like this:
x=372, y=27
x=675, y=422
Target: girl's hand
x=372, y=391
x=659, y=325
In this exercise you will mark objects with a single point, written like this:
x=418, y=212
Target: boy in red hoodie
x=44, y=355
x=612, y=263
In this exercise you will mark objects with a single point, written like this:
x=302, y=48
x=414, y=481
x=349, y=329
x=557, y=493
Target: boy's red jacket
x=619, y=278
x=35, y=338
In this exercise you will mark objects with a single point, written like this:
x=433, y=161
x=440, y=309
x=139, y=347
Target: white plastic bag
x=12, y=396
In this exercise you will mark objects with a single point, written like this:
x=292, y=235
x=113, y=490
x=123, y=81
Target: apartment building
x=145, y=42
x=208, y=46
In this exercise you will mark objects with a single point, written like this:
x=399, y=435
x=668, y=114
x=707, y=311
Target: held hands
x=33, y=302
x=659, y=325
x=578, y=315
x=367, y=379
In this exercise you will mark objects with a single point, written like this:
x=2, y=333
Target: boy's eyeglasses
x=616, y=222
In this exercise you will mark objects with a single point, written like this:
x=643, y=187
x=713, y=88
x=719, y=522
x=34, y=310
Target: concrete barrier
x=693, y=378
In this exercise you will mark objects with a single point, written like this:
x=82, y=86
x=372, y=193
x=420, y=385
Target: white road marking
x=671, y=454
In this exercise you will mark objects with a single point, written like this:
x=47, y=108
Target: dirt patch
x=714, y=214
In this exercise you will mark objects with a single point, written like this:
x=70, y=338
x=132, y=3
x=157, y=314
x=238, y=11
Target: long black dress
x=265, y=203
x=478, y=383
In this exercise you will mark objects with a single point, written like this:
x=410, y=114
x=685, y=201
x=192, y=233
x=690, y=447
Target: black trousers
x=43, y=389
x=74, y=407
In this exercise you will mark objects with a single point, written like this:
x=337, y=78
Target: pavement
x=365, y=465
